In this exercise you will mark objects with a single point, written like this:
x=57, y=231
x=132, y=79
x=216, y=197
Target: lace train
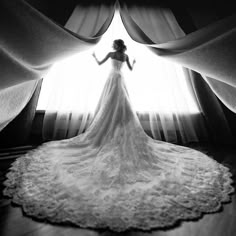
x=33, y=183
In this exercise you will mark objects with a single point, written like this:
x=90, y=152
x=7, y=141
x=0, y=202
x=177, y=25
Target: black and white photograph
x=117, y=118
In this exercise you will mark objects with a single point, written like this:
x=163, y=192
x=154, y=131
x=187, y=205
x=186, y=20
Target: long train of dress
x=115, y=176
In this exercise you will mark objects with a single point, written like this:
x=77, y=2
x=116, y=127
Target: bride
x=114, y=175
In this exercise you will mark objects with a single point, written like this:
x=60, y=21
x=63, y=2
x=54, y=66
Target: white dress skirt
x=115, y=176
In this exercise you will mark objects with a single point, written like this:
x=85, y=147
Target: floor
x=14, y=223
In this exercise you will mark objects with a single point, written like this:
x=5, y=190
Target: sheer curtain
x=30, y=43
x=158, y=90
x=210, y=50
x=59, y=122
x=13, y=99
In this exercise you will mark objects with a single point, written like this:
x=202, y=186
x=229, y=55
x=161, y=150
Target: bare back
x=118, y=56
x=121, y=57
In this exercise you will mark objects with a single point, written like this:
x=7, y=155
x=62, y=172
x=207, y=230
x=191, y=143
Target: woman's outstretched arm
x=102, y=61
x=128, y=63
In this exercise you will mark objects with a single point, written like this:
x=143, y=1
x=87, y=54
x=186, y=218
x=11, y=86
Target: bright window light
x=155, y=85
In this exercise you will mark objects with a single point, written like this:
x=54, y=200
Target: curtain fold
x=225, y=92
x=87, y=21
x=18, y=131
x=215, y=113
x=148, y=25
x=210, y=50
x=217, y=124
x=30, y=43
x=14, y=99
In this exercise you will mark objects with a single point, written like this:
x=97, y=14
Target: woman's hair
x=119, y=45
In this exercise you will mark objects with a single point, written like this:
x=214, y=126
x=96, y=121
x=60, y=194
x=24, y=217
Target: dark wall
x=58, y=11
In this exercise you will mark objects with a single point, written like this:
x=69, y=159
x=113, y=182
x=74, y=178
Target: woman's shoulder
x=111, y=54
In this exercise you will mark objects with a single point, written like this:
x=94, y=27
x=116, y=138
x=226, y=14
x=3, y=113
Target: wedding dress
x=115, y=176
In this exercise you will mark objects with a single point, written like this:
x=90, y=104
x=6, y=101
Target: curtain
x=210, y=50
x=159, y=25
x=30, y=44
x=217, y=124
x=86, y=21
x=215, y=113
x=168, y=113
x=13, y=99
x=18, y=132
x=207, y=50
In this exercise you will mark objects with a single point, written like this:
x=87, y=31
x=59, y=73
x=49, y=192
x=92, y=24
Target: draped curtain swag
x=30, y=44
x=210, y=50
x=86, y=21
x=148, y=25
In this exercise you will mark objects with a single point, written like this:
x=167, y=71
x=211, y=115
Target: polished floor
x=14, y=223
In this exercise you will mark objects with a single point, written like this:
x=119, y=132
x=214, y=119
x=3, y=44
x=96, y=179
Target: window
x=155, y=85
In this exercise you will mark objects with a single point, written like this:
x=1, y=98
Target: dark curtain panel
x=17, y=132
x=30, y=44
x=191, y=19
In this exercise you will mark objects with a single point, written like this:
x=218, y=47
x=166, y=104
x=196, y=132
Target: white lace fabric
x=115, y=176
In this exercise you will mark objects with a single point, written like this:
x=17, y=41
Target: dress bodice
x=117, y=64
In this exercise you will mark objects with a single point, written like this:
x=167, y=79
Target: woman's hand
x=93, y=54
